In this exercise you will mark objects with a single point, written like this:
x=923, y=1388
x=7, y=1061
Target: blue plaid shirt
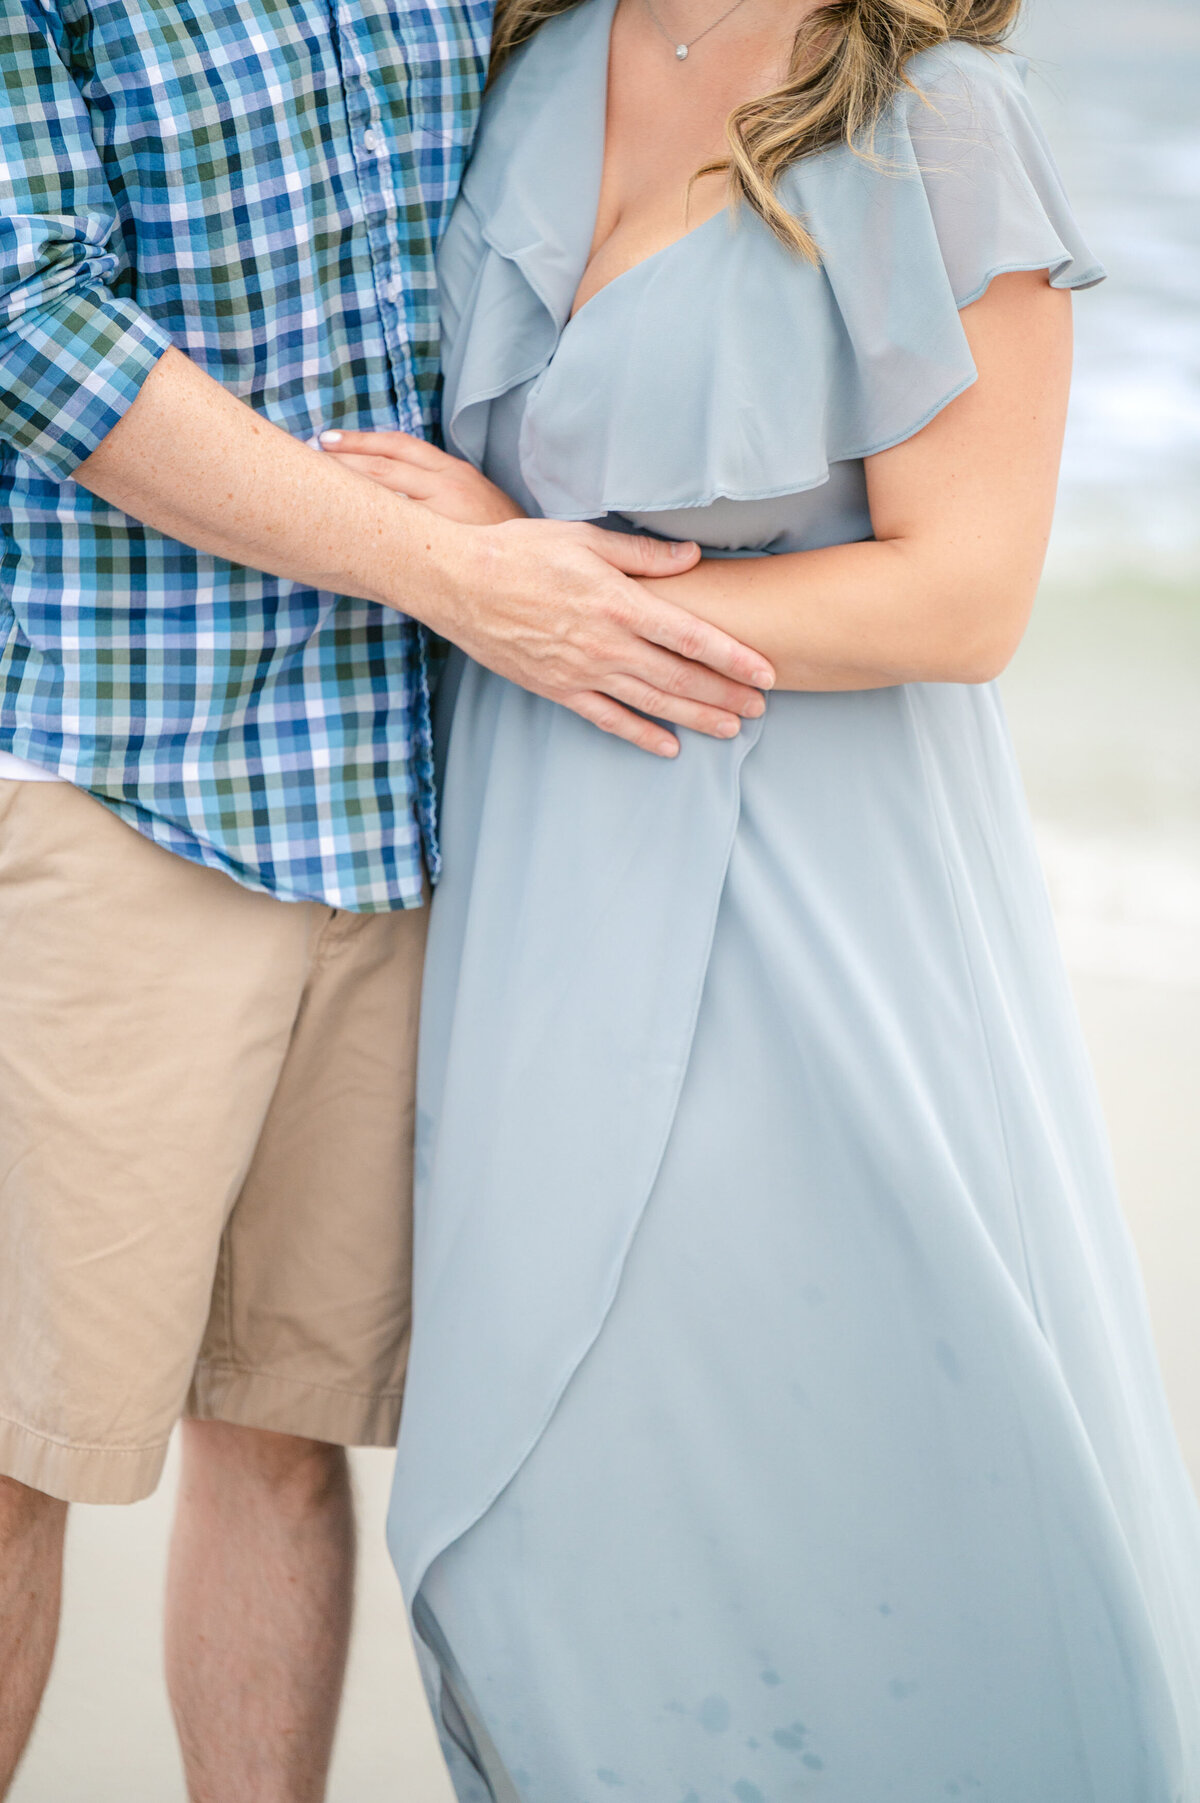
x=263, y=184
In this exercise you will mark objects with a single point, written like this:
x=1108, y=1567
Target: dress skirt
x=783, y=1419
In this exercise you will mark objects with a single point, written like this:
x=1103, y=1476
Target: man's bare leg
x=31, y=1552
x=259, y=1598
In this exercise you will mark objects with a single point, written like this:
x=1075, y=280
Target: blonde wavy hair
x=848, y=62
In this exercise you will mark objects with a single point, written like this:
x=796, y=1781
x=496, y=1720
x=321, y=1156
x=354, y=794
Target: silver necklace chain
x=681, y=49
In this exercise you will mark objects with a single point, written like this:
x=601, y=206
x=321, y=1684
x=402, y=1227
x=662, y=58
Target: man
x=217, y=226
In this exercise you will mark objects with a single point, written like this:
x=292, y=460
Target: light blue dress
x=783, y=1420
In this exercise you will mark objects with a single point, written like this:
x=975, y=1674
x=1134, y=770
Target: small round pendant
x=681, y=51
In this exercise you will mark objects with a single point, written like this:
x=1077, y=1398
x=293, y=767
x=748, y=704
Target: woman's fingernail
x=677, y=549
x=764, y=679
x=331, y=438
x=729, y=729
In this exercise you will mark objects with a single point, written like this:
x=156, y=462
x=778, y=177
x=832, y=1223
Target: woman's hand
x=446, y=485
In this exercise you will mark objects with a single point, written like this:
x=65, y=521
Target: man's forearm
x=546, y=604
x=194, y=462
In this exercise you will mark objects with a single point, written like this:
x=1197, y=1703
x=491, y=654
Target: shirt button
x=371, y=139
x=395, y=287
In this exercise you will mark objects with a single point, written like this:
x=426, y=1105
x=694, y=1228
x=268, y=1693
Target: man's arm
x=550, y=606
x=91, y=389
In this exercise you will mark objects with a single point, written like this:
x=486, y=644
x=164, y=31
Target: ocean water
x=1118, y=87
x=1104, y=696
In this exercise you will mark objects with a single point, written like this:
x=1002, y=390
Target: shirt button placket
x=378, y=188
x=387, y=248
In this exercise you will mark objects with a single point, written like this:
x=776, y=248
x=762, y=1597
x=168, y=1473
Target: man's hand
x=551, y=619
x=551, y=606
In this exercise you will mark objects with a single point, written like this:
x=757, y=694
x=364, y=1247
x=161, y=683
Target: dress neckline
x=654, y=256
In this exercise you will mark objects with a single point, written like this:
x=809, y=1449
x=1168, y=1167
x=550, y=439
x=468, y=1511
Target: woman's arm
x=961, y=514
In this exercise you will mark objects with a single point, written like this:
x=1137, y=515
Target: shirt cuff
x=69, y=370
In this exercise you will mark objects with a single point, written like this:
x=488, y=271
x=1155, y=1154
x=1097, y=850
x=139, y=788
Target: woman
x=782, y=1419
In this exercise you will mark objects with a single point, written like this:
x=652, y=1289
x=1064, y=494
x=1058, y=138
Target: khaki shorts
x=206, y=1108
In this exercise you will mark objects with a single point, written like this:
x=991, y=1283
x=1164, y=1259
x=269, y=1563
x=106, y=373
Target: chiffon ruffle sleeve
x=805, y=365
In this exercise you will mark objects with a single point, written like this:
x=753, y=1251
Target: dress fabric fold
x=782, y=1418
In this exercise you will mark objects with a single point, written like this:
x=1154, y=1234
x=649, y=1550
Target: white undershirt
x=16, y=770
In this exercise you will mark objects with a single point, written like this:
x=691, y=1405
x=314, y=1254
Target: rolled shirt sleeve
x=73, y=353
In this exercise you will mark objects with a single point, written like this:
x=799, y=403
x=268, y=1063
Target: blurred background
x=1105, y=704
x=1104, y=696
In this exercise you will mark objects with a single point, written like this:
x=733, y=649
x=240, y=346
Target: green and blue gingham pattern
x=263, y=184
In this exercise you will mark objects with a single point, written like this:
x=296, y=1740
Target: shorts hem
x=283, y=1405
x=79, y=1474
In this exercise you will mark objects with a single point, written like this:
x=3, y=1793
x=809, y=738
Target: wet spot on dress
x=714, y=1715
x=770, y=1677
x=745, y=1792
x=948, y=1361
x=606, y=1775
x=900, y=1690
